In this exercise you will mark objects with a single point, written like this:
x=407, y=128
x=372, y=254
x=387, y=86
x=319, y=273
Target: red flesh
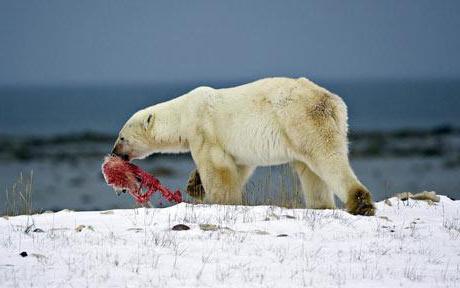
x=121, y=174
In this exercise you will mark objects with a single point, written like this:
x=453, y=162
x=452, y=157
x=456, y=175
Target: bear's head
x=134, y=140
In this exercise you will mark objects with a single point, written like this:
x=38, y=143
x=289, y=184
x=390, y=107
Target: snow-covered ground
x=410, y=244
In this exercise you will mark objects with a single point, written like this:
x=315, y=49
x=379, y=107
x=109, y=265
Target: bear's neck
x=166, y=133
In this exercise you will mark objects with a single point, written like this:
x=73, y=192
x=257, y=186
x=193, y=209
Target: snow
x=408, y=244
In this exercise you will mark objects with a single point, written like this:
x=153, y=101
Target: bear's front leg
x=218, y=174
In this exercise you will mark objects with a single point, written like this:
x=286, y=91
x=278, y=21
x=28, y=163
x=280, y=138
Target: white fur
x=231, y=131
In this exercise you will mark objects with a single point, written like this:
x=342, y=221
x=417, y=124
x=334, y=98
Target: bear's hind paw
x=360, y=203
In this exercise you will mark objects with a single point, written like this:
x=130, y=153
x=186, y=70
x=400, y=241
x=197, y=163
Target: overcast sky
x=94, y=42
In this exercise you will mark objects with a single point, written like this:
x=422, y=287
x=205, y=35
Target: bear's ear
x=148, y=121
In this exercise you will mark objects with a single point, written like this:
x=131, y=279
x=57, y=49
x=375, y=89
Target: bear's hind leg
x=317, y=135
x=335, y=170
x=317, y=195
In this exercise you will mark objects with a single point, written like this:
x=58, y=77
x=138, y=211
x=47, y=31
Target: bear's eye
x=122, y=138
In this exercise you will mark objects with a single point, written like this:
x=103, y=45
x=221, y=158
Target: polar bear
x=231, y=131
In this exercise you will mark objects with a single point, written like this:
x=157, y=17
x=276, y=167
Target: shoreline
x=67, y=174
x=437, y=141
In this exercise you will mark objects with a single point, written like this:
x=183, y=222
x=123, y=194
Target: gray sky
x=93, y=42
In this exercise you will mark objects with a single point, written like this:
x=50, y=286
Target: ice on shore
x=408, y=243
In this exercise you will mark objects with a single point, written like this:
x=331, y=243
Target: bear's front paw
x=360, y=203
x=194, y=186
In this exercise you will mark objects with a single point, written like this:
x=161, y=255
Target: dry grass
x=19, y=196
x=280, y=186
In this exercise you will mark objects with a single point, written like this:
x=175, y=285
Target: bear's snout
x=117, y=151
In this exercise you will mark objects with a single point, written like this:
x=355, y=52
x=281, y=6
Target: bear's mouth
x=125, y=157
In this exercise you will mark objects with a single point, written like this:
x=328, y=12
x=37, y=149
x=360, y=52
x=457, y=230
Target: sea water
x=372, y=105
